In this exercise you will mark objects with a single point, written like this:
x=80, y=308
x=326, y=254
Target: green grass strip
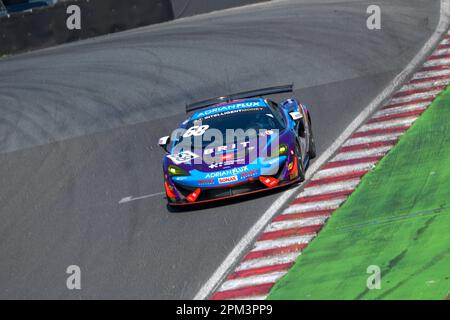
x=397, y=219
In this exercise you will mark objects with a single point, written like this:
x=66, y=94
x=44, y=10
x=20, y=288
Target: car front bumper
x=220, y=194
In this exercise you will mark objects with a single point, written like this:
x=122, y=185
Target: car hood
x=212, y=159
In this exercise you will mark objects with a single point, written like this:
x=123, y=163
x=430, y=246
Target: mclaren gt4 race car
x=237, y=145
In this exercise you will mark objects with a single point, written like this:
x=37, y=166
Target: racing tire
x=312, y=144
x=301, y=167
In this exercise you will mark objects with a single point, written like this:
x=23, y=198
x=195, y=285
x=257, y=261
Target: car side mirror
x=296, y=115
x=164, y=142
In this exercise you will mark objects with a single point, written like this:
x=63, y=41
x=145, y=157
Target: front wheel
x=312, y=144
x=301, y=167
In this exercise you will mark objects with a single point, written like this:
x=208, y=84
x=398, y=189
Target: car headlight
x=176, y=171
x=283, y=150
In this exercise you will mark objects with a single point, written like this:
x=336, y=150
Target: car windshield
x=256, y=118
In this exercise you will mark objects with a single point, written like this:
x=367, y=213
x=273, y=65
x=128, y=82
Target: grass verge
x=397, y=219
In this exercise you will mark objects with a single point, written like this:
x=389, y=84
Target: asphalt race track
x=79, y=126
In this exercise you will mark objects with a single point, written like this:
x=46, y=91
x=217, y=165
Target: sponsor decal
x=228, y=172
x=196, y=131
x=227, y=157
x=216, y=165
x=269, y=181
x=229, y=107
x=206, y=182
x=249, y=174
x=228, y=179
x=266, y=133
x=231, y=147
x=182, y=157
x=221, y=114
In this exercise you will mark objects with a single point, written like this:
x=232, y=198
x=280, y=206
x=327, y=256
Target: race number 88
x=195, y=131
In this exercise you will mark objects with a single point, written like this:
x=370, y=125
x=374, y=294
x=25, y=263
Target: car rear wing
x=242, y=95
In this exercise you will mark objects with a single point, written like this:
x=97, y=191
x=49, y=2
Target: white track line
x=415, y=96
x=251, y=281
x=429, y=74
x=298, y=223
x=314, y=206
x=268, y=261
x=396, y=110
x=324, y=173
x=374, y=138
x=425, y=84
x=388, y=124
x=278, y=204
x=328, y=188
x=131, y=198
x=282, y=242
x=379, y=151
x=439, y=52
x=440, y=62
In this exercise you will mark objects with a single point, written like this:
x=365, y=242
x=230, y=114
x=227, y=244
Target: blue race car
x=237, y=145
